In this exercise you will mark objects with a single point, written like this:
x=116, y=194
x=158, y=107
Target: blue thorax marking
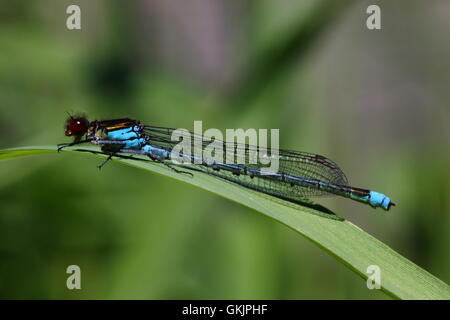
x=125, y=134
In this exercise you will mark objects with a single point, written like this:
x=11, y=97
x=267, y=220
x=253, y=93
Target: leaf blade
x=340, y=238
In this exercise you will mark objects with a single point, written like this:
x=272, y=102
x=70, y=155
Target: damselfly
x=299, y=175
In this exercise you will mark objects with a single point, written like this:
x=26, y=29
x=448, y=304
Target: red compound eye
x=76, y=126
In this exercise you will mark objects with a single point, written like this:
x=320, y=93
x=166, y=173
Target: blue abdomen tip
x=380, y=200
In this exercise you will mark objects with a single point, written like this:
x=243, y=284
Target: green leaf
x=400, y=278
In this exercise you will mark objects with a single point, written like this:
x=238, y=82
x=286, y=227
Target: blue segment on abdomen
x=124, y=134
x=156, y=151
x=134, y=143
x=377, y=199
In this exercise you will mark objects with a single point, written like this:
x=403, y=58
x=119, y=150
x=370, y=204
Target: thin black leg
x=171, y=167
x=63, y=145
x=106, y=161
x=121, y=156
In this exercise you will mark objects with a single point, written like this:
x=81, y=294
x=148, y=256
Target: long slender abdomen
x=375, y=199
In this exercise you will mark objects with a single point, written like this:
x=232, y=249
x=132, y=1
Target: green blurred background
x=376, y=102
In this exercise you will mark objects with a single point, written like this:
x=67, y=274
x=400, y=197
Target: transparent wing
x=301, y=164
